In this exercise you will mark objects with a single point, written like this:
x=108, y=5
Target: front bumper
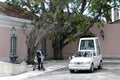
x=79, y=67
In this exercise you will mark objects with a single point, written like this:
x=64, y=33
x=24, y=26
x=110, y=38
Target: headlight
x=71, y=63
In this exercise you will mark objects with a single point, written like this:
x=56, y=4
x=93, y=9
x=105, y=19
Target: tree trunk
x=57, y=48
x=30, y=57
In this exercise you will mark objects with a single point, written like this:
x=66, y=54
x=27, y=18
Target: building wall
x=71, y=48
x=5, y=36
x=21, y=45
x=6, y=24
x=49, y=50
x=4, y=42
x=110, y=46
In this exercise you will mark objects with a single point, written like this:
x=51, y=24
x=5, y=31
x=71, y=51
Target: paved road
x=109, y=72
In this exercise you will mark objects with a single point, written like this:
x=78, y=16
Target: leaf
x=71, y=38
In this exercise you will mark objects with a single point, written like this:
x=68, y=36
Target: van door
x=98, y=53
x=97, y=46
x=95, y=60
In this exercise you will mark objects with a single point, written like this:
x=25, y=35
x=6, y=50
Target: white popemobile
x=88, y=55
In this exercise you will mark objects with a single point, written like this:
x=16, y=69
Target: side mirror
x=71, y=57
x=94, y=54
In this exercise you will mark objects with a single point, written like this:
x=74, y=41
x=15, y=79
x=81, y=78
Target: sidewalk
x=111, y=61
x=51, y=65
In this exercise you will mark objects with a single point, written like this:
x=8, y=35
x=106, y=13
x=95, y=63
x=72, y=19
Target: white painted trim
x=7, y=21
x=112, y=15
x=9, y=18
x=119, y=14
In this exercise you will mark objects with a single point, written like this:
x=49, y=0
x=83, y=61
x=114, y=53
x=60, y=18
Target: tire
x=100, y=65
x=72, y=71
x=92, y=68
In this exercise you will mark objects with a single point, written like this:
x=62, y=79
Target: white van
x=88, y=55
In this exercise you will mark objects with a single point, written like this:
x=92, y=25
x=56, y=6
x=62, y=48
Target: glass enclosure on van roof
x=87, y=45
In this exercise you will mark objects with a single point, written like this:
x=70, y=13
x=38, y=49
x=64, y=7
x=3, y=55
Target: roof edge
x=9, y=18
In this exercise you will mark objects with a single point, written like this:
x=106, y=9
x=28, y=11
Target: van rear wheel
x=100, y=65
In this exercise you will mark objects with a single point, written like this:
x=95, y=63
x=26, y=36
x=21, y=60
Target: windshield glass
x=87, y=45
x=83, y=54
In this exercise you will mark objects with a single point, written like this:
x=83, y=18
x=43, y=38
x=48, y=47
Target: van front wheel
x=92, y=68
x=72, y=71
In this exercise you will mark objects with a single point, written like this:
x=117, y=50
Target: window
x=83, y=54
x=87, y=45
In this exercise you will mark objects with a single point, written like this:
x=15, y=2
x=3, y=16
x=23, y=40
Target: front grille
x=78, y=63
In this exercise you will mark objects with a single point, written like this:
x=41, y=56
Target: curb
x=31, y=73
x=111, y=62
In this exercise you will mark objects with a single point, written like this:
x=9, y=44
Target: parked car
x=88, y=55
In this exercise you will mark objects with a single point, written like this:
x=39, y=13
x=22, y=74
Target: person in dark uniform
x=39, y=57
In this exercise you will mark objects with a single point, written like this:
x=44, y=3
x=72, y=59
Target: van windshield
x=83, y=54
x=87, y=45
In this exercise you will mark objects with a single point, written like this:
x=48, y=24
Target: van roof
x=88, y=38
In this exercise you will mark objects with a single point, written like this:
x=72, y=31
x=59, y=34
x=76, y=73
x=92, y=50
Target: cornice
x=8, y=21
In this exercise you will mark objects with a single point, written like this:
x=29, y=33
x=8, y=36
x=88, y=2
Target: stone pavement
x=50, y=65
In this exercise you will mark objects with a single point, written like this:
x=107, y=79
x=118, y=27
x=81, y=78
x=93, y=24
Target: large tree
x=73, y=19
x=63, y=20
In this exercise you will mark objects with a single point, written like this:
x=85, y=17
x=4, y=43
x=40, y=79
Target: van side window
x=94, y=54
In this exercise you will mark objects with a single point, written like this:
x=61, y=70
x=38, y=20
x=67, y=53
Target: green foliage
x=71, y=38
x=101, y=8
